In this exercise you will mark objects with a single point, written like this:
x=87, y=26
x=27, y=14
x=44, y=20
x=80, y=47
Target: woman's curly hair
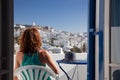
x=30, y=40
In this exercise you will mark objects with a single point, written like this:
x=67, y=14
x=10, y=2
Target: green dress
x=32, y=60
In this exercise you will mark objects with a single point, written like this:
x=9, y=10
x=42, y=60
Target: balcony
x=81, y=72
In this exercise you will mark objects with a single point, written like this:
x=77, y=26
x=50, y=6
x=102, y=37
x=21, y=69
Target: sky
x=65, y=15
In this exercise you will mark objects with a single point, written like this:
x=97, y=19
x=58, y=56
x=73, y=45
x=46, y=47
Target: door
x=114, y=54
x=91, y=41
x=96, y=40
x=6, y=39
x=112, y=38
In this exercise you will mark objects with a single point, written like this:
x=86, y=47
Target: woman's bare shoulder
x=19, y=54
x=43, y=52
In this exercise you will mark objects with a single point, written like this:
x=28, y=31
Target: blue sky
x=66, y=15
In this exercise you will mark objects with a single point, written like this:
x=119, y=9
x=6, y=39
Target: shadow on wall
x=116, y=75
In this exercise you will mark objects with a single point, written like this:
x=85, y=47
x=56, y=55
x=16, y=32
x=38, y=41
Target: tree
x=84, y=48
x=76, y=49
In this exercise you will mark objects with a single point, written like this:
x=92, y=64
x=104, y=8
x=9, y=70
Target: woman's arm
x=50, y=61
x=15, y=78
x=16, y=64
x=16, y=61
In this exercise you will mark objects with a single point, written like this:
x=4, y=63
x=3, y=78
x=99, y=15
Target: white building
x=17, y=33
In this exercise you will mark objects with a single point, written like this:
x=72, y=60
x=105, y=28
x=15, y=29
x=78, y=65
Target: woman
x=31, y=52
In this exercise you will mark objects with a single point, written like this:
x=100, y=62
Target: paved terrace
x=69, y=68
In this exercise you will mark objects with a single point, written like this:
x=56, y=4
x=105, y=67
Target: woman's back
x=31, y=59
